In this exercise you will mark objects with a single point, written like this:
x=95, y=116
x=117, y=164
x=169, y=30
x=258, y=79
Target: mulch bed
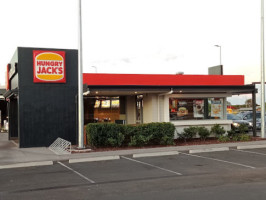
x=178, y=142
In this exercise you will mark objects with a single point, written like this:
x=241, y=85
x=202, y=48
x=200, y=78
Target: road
x=234, y=174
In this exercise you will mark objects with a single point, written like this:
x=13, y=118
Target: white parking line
x=84, y=177
x=253, y=152
x=224, y=161
x=167, y=170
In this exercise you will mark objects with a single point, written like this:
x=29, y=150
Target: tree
x=248, y=103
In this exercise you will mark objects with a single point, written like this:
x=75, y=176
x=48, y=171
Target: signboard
x=49, y=66
x=182, y=109
x=198, y=108
x=7, y=77
x=216, y=108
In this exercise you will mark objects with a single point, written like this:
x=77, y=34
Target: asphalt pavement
x=234, y=173
x=203, y=172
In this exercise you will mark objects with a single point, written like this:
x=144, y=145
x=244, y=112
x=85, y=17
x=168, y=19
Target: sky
x=140, y=36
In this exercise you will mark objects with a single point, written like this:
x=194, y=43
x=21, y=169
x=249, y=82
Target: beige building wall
x=130, y=110
x=150, y=108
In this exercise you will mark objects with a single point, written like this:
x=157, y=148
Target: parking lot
x=231, y=174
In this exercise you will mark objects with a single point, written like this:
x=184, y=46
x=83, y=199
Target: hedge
x=116, y=135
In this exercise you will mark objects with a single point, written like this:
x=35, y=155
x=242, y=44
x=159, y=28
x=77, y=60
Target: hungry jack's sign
x=49, y=66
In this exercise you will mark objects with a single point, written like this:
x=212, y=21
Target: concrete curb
x=168, y=153
x=103, y=158
x=252, y=146
x=29, y=164
x=208, y=150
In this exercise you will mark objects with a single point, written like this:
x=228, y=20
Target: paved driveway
x=234, y=174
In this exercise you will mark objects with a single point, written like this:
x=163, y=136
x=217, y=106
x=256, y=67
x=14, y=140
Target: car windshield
x=233, y=117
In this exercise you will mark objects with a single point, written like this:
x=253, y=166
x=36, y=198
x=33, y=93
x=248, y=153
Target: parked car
x=237, y=121
x=258, y=123
x=249, y=117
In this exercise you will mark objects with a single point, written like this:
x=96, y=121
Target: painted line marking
x=82, y=176
x=78, y=160
x=224, y=161
x=28, y=164
x=253, y=152
x=252, y=146
x=154, y=166
x=208, y=150
x=168, y=153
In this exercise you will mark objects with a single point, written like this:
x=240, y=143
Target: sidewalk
x=10, y=154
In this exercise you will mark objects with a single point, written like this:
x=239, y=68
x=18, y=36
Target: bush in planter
x=223, y=138
x=239, y=133
x=244, y=137
x=105, y=135
x=203, y=133
x=151, y=134
x=188, y=133
x=161, y=133
x=232, y=133
x=116, y=135
x=217, y=130
x=243, y=128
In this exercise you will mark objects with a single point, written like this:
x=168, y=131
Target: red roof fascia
x=161, y=80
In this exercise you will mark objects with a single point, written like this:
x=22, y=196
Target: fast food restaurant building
x=42, y=88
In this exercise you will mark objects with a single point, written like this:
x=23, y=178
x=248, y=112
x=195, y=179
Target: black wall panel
x=46, y=110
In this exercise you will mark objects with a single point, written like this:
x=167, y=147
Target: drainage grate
x=61, y=146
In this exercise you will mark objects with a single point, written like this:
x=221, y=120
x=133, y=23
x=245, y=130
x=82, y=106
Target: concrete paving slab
x=28, y=164
x=254, y=146
x=209, y=150
x=94, y=159
x=166, y=153
x=11, y=154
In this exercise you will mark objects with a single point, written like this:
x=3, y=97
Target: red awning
x=161, y=80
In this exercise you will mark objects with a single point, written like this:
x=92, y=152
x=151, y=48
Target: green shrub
x=188, y=133
x=115, y=135
x=223, y=138
x=232, y=133
x=244, y=137
x=153, y=134
x=161, y=133
x=217, y=130
x=105, y=135
x=243, y=128
x=203, y=133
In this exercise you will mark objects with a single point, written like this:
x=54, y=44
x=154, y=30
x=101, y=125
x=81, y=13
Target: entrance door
x=139, y=109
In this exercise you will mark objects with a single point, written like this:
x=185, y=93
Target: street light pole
x=262, y=73
x=80, y=85
x=220, y=53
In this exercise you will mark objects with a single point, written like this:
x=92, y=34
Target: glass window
x=195, y=109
